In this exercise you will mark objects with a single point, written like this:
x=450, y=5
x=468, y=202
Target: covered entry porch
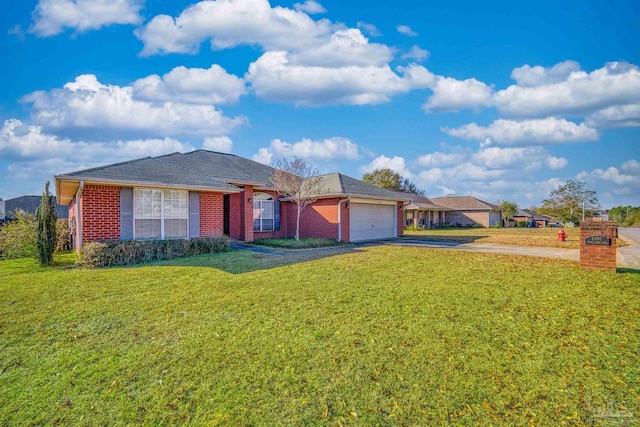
x=424, y=214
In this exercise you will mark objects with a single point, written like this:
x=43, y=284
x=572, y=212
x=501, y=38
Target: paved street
x=629, y=256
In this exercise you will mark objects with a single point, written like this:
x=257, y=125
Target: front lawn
x=303, y=243
x=505, y=236
x=373, y=336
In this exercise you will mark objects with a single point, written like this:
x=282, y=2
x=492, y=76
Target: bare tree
x=299, y=181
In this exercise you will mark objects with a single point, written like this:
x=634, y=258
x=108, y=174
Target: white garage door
x=368, y=221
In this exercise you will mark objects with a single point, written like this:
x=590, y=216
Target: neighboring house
x=532, y=218
x=29, y=204
x=2, y=216
x=422, y=212
x=469, y=211
x=208, y=194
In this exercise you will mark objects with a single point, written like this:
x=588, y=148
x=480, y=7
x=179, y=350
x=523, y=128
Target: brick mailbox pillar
x=598, y=245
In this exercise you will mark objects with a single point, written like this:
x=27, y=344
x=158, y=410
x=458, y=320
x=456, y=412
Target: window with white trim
x=263, y=212
x=160, y=214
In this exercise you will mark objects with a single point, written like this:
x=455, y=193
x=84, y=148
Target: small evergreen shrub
x=46, y=223
x=130, y=252
x=522, y=223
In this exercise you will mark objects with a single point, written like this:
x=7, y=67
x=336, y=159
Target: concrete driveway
x=629, y=256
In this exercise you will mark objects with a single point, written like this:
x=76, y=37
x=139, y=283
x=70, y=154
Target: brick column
x=598, y=256
x=246, y=207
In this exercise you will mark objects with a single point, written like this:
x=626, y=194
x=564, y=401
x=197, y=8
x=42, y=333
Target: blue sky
x=497, y=100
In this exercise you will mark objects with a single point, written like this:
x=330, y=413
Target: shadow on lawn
x=442, y=238
x=241, y=260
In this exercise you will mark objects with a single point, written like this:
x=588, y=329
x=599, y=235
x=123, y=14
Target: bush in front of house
x=522, y=223
x=130, y=252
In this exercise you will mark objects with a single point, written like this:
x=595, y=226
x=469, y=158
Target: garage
x=369, y=221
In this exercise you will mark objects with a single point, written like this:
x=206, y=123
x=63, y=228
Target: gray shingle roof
x=464, y=203
x=222, y=166
x=339, y=184
x=150, y=170
x=29, y=204
x=533, y=215
x=421, y=202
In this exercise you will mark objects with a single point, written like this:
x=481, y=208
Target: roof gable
x=339, y=184
x=464, y=203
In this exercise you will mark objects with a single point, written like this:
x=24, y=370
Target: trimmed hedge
x=130, y=252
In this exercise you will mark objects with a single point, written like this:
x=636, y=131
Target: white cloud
x=553, y=162
x=191, y=85
x=347, y=47
x=311, y=7
x=395, y=163
x=621, y=181
x=27, y=142
x=529, y=158
x=619, y=116
x=17, y=31
x=273, y=78
x=369, y=29
x=222, y=144
x=110, y=112
x=232, y=23
x=51, y=17
x=326, y=149
x=616, y=84
x=528, y=76
x=439, y=158
x=406, y=30
x=36, y=156
x=632, y=167
x=450, y=94
x=526, y=132
x=416, y=53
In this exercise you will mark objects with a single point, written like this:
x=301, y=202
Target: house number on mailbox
x=597, y=239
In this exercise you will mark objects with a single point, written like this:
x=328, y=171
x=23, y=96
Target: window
x=160, y=214
x=263, y=214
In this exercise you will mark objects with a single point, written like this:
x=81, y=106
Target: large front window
x=160, y=214
x=262, y=212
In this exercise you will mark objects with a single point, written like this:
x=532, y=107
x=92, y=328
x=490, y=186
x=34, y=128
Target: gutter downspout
x=79, y=215
x=340, y=217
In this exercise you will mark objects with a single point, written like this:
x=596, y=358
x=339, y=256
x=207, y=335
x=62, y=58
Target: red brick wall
x=235, y=216
x=211, y=214
x=247, y=214
x=598, y=257
x=100, y=210
x=346, y=229
x=468, y=218
x=319, y=219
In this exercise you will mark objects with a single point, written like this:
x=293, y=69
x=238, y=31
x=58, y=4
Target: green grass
x=375, y=336
x=303, y=243
x=546, y=237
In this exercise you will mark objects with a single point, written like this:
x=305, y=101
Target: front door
x=225, y=214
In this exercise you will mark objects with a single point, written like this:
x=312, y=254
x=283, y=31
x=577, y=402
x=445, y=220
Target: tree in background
x=299, y=181
x=625, y=216
x=18, y=237
x=387, y=178
x=46, y=221
x=508, y=210
x=570, y=202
